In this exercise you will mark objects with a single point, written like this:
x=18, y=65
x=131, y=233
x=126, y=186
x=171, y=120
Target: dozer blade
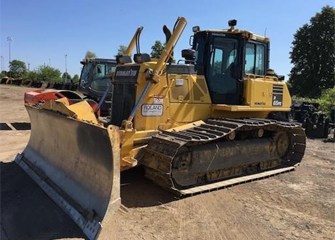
x=77, y=164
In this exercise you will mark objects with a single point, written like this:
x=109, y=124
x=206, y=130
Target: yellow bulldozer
x=214, y=119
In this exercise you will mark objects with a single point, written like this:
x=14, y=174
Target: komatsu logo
x=126, y=73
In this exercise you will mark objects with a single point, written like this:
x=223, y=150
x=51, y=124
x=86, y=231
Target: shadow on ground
x=137, y=191
x=27, y=212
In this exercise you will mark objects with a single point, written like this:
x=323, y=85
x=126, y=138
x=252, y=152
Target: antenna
x=265, y=31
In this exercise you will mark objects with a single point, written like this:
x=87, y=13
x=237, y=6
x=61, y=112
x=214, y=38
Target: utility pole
x=2, y=64
x=9, y=40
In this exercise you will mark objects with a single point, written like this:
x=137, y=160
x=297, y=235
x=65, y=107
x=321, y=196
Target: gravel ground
x=295, y=205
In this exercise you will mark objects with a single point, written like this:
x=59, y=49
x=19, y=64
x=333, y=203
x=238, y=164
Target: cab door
x=221, y=76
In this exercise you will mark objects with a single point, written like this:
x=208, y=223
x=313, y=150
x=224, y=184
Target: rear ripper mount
x=195, y=159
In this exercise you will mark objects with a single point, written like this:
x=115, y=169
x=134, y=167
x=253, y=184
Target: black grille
x=124, y=93
x=278, y=89
x=277, y=96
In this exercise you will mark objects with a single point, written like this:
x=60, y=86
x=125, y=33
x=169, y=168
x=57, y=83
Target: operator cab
x=225, y=58
x=95, y=76
x=95, y=80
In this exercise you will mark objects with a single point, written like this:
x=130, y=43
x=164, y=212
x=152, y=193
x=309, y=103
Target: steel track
x=166, y=157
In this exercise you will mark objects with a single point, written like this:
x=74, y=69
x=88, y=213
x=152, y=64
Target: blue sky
x=44, y=31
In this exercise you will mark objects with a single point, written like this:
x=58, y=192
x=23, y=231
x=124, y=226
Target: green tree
x=75, y=78
x=157, y=49
x=122, y=50
x=66, y=77
x=17, y=69
x=327, y=100
x=313, y=55
x=48, y=74
x=3, y=74
x=32, y=75
x=90, y=54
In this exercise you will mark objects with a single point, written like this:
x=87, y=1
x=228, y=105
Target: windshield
x=217, y=57
x=84, y=78
x=96, y=76
x=101, y=76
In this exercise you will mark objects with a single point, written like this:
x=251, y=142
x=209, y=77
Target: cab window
x=101, y=76
x=216, y=62
x=254, y=59
x=84, y=78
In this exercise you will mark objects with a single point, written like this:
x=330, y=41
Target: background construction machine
x=315, y=122
x=194, y=126
x=94, y=83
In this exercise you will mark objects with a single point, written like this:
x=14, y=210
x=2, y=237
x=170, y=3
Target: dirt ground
x=295, y=205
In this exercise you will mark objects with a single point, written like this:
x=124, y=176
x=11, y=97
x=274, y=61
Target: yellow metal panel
x=80, y=110
x=188, y=88
x=199, y=89
x=83, y=111
x=178, y=99
x=186, y=113
x=258, y=93
x=238, y=108
x=180, y=89
x=152, y=112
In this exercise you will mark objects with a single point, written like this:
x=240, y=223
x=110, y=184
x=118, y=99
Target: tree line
x=313, y=56
x=312, y=77
x=18, y=70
